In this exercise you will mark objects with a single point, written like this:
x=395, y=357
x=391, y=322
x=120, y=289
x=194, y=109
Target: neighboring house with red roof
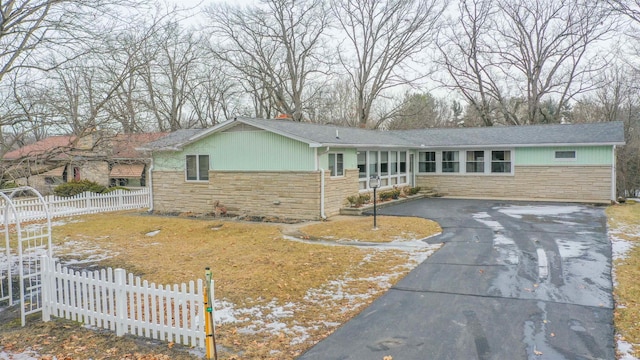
x=108, y=160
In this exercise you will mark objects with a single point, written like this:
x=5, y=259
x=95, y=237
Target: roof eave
x=510, y=145
x=281, y=133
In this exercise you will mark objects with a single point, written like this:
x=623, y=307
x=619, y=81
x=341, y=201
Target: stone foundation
x=337, y=189
x=280, y=194
x=568, y=183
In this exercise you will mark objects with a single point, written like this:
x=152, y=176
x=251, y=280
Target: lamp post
x=374, y=182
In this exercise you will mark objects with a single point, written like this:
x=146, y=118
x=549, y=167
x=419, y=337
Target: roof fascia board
x=219, y=127
x=379, y=146
x=281, y=133
x=513, y=145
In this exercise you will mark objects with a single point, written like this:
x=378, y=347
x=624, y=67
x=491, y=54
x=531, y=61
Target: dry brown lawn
x=389, y=228
x=254, y=267
x=624, y=222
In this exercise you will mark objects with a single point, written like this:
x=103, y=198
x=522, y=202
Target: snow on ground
x=270, y=318
x=517, y=211
x=619, y=250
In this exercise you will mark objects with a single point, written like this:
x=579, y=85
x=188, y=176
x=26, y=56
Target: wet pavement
x=512, y=281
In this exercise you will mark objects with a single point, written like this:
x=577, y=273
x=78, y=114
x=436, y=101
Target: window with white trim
x=384, y=168
x=450, y=161
x=565, y=155
x=336, y=164
x=500, y=161
x=427, y=161
x=362, y=169
x=390, y=166
x=197, y=167
x=475, y=161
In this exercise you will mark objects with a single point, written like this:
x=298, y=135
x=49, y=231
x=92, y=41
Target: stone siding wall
x=96, y=171
x=281, y=194
x=569, y=183
x=337, y=189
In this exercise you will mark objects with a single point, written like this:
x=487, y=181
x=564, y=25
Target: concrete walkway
x=513, y=281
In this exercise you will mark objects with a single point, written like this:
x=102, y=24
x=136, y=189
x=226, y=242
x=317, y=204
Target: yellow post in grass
x=209, y=328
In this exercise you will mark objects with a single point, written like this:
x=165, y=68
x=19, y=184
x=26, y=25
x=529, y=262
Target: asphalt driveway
x=512, y=281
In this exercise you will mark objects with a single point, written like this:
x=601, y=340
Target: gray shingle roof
x=531, y=135
x=172, y=141
x=330, y=135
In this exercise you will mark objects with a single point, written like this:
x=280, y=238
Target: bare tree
x=383, y=40
x=50, y=27
x=517, y=55
x=629, y=8
x=277, y=46
x=37, y=36
x=171, y=62
x=212, y=96
x=466, y=57
x=419, y=111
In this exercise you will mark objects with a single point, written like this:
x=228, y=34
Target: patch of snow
x=624, y=349
x=78, y=252
x=619, y=246
x=504, y=245
x=273, y=319
x=26, y=355
x=517, y=211
x=492, y=224
x=619, y=250
x=153, y=233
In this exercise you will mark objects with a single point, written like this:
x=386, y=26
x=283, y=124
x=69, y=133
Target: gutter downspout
x=613, y=174
x=323, y=216
x=151, y=185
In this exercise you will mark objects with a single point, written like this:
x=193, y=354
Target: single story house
x=306, y=171
x=106, y=159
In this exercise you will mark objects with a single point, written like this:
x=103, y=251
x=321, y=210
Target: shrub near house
x=73, y=188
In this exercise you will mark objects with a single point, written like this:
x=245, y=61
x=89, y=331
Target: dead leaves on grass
x=623, y=221
x=252, y=265
x=359, y=228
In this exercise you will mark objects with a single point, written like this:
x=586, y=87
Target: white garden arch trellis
x=33, y=241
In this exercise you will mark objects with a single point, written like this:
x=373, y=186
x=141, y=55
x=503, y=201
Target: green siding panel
x=350, y=158
x=545, y=156
x=244, y=151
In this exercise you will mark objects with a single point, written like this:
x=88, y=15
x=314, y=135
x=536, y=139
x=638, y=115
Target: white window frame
x=462, y=162
x=434, y=162
x=389, y=180
x=574, y=158
x=199, y=176
x=490, y=158
x=334, y=168
x=483, y=162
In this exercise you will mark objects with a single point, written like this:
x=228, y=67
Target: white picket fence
x=111, y=299
x=29, y=209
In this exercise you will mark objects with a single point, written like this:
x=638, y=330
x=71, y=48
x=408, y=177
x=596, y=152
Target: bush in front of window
x=388, y=195
x=412, y=190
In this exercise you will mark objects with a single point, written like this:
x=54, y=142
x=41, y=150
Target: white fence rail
x=111, y=299
x=29, y=209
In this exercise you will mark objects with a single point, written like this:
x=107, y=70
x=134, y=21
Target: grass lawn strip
x=275, y=298
x=624, y=233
